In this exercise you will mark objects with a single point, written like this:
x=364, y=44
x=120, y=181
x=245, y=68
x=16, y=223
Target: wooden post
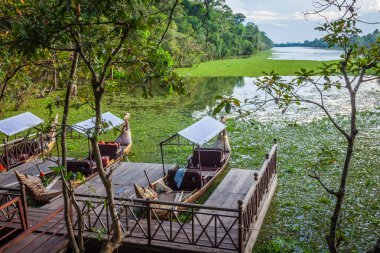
x=162, y=158
x=7, y=156
x=192, y=226
x=200, y=164
x=25, y=205
x=240, y=227
x=149, y=221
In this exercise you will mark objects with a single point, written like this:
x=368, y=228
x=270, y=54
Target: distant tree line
x=220, y=33
x=364, y=40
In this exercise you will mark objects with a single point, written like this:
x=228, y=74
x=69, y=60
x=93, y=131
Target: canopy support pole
x=162, y=159
x=200, y=164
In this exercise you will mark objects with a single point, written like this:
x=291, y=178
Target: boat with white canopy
x=110, y=151
x=190, y=180
x=28, y=147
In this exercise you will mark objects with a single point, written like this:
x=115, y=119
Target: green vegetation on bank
x=216, y=32
x=364, y=40
x=249, y=66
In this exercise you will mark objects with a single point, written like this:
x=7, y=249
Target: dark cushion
x=85, y=167
x=208, y=157
x=110, y=149
x=191, y=180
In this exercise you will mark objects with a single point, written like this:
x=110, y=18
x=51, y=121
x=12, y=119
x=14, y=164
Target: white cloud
x=369, y=5
x=329, y=15
x=281, y=25
x=265, y=16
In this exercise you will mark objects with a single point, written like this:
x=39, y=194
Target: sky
x=284, y=20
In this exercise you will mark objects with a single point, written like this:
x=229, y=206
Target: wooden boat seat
x=35, y=188
x=191, y=180
x=211, y=158
x=110, y=149
x=86, y=167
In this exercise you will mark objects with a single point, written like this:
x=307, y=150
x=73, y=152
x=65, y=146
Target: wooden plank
x=234, y=187
x=40, y=243
x=8, y=178
x=123, y=178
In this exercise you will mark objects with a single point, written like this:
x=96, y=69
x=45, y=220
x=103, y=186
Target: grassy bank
x=250, y=66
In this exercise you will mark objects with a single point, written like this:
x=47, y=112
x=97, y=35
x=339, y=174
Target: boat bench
x=191, y=180
x=112, y=150
x=86, y=167
x=209, y=157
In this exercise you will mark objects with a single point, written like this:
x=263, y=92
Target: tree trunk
x=55, y=79
x=376, y=248
x=66, y=197
x=112, y=245
x=332, y=241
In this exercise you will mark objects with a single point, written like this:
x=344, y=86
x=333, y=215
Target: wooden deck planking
x=123, y=178
x=8, y=178
x=40, y=243
x=234, y=187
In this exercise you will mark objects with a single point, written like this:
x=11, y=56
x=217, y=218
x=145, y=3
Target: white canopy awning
x=19, y=123
x=85, y=127
x=203, y=131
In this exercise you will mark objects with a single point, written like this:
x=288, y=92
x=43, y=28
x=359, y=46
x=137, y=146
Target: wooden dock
x=8, y=178
x=235, y=186
x=228, y=222
x=123, y=178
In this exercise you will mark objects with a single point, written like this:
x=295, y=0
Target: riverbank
x=252, y=66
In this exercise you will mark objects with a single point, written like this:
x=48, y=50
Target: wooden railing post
x=7, y=156
x=240, y=227
x=149, y=221
x=25, y=205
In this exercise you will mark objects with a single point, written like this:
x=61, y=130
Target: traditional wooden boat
x=111, y=152
x=21, y=150
x=190, y=181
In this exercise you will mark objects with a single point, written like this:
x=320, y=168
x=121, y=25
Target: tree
x=358, y=65
x=100, y=34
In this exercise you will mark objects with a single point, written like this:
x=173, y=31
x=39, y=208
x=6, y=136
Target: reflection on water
x=202, y=91
x=337, y=101
x=305, y=53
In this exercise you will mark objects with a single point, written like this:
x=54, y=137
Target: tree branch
x=318, y=178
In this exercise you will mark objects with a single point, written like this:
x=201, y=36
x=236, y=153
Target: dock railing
x=13, y=212
x=250, y=207
x=161, y=221
x=15, y=226
x=154, y=221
